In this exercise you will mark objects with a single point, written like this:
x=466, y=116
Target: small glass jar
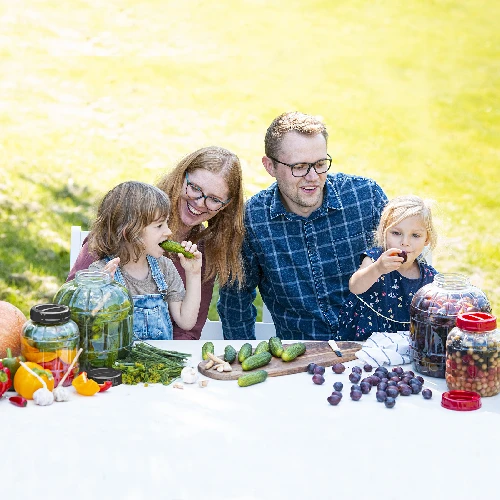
x=51, y=339
x=473, y=354
x=103, y=310
x=433, y=314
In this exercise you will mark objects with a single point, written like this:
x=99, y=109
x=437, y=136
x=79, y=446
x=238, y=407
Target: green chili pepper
x=12, y=363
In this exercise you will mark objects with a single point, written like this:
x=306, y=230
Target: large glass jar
x=51, y=339
x=433, y=314
x=473, y=354
x=103, y=311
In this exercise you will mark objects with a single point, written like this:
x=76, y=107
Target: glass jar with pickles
x=103, y=310
x=473, y=354
x=51, y=339
x=433, y=314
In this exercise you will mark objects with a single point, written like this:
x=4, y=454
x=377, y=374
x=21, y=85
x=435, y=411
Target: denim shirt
x=302, y=265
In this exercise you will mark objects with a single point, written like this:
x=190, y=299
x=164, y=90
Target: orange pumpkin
x=25, y=384
x=11, y=325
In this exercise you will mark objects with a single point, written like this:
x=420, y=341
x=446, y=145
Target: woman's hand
x=192, y=265
x=112, y=266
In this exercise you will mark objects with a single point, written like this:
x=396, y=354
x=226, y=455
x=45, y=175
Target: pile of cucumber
x=262, y=355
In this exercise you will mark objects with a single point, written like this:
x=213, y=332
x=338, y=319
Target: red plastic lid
x=461, y=400
x=477, y=322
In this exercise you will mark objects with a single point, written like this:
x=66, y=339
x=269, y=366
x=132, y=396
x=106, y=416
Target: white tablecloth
x=275, y=440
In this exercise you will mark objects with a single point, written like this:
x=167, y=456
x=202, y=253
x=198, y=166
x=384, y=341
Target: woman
x=205, y=189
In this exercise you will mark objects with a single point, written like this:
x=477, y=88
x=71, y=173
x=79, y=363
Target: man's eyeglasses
x=194, y=192
x=302, y=169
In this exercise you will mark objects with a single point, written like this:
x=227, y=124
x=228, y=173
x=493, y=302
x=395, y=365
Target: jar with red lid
x=433, y=314
x=473, y=354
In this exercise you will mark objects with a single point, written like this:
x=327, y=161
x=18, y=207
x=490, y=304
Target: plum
x=310, y=368
x=337, y=393
x=392, y=392
x=368, y=368
x=334, y=400
x=381, y=396
x=319, y=369
x=404, y=255
x=427, y=394
x=318, y=379
x=338, y=368
x=356, y=395
x=354, y=377
x=405, y=390
x=390, y=402
x=357, y=369
x=366, y=387
x=338, y=386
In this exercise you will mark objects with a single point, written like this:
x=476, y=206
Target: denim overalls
x=151, y=317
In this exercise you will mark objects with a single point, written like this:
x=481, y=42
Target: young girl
x=131, y=223
x=391, y=273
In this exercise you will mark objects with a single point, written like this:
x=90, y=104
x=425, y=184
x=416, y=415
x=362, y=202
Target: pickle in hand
x=173, y=246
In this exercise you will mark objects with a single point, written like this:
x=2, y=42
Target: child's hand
x=112, y=266
x=192, y=265
x=389, y=261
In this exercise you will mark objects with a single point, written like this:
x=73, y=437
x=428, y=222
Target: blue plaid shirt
x=302, y=265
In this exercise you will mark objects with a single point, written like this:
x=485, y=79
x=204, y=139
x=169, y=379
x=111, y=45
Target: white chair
x=77, y=237
x=212, y=329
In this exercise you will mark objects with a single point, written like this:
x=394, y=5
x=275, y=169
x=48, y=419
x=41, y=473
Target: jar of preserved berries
x=51, y=339
x=473, y=354
x=103, y=311
x=433, y=314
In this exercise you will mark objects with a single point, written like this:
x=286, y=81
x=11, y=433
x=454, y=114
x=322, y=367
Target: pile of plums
x=388, y=384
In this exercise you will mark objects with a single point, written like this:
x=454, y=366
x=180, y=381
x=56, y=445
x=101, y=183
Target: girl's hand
x=192, y=265
x=389, y=261
x=112, y=266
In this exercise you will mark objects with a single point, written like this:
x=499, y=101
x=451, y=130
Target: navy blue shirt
x=302, y=265
x=385, y=306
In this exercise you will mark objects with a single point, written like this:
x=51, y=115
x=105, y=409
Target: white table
x=275, y=440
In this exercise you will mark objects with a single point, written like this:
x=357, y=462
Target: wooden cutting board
x=316, y=352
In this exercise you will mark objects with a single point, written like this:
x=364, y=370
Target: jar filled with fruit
x=51, y=339
x=433, y=314
x=472, y=354
x=103, y=311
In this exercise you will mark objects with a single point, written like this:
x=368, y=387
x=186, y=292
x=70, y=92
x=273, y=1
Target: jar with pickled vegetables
x=473, y=354
x=433, y=314
x=103, y=310
x=51, y=339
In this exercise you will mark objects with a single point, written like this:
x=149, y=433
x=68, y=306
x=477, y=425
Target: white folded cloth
x=386, y=348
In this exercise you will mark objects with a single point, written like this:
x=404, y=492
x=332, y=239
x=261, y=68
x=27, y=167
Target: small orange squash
x=11, y=325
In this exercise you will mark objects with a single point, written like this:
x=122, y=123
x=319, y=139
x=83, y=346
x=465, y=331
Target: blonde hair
x=400, y=208
x=121, y=218
x=292, y=121
x=223, y=236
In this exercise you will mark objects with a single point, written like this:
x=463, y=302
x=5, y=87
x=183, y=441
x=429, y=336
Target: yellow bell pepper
x=84, y=385
x=25, y=384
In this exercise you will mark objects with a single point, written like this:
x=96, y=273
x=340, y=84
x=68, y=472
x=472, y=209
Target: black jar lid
x=50, y=314
x=101, y=375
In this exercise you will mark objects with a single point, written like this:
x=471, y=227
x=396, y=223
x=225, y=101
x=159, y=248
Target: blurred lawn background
x=94, y=93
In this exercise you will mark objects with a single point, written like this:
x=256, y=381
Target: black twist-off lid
x=49, y=314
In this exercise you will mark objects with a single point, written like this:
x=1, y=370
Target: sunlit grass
x=97, y=93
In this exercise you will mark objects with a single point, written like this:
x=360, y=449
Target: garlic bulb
x=61, y=394
x=189, y=375
x=43, y=397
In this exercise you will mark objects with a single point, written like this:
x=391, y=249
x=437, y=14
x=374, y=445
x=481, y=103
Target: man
x=304, y=236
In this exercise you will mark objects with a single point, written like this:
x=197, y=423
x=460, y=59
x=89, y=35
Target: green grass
x=95, y=93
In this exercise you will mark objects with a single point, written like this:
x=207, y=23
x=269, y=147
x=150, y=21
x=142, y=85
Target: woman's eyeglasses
x=302, y=169
x=194, y=192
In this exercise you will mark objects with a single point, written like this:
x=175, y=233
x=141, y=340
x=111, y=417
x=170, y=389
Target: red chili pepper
x=18, y=401
x=105, y=386
x=5, y=379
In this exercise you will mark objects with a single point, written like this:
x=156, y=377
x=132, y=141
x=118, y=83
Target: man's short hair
x=291, y=121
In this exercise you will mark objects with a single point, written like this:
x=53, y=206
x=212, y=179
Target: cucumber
x=262, y=347
x=256, y=361
x=174, y=247
x=229, y=354
x=245, y=352
x=293, y=351
x=252, y=378
x=276, y=347
x=207, y=347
